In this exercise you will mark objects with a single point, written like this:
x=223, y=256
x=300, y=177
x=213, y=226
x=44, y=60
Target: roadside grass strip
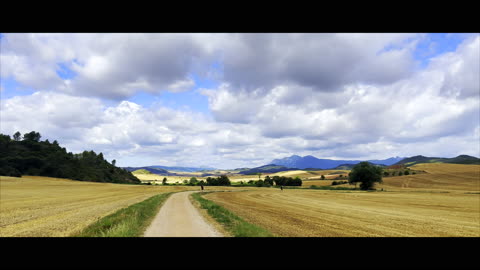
x=131, y=221
x=232, y=223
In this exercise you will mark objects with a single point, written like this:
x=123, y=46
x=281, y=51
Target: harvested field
x=308, y=183
x=439, y=176
x=44, y=206
x=159, y=178
x=325, y=213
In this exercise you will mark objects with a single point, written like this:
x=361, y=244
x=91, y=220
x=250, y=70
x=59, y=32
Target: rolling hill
x=461, y=159
x=148, y=169
x=181, y=169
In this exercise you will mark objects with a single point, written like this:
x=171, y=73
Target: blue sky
x=285, y=109
x=436, y=44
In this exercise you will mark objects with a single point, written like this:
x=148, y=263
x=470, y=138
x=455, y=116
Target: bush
x=259, y=183
x=406, y=172
x=334, y=183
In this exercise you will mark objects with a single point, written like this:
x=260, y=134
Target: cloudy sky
x=241, y=100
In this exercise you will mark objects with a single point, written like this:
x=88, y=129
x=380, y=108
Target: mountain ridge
x=310, y=161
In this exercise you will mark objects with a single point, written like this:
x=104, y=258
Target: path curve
x=179, y=218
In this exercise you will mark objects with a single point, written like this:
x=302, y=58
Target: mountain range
x=182, y=169
x=166, y=170
x=313, y=162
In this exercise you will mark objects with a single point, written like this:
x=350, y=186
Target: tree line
x=28, y=155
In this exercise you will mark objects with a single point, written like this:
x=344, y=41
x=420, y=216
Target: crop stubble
x=41, y=206
x=444, y=202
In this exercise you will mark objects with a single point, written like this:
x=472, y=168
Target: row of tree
x=28, y=155
x=283, y=180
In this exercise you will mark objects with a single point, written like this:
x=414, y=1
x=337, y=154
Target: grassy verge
x=127, y=222
x=232, y=223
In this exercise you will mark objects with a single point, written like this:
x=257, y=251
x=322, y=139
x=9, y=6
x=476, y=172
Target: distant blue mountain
x=313, y=162
x=182, y=169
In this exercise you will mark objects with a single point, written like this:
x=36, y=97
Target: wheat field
x=443, y=202
x=325, y=213
x=35, y=206
x=439, y=176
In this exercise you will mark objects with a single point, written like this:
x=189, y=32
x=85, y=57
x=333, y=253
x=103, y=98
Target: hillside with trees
x=28, y=155
x=461, y=159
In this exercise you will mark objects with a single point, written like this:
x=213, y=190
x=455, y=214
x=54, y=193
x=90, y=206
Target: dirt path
x=179, y=218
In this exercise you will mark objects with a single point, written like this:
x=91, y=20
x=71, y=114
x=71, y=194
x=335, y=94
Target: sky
x=231, y=100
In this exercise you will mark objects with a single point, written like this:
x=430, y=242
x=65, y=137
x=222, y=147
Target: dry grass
x=439, y=177
x=308, y=183
x=159, y=178
x=310, y=175
x=443, y=202
x=44, y=206
x=300, y=212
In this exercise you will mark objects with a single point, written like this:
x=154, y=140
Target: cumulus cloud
x=328, y=95
x=322, y=61
x=431, y=104
x=113, y=66
x=49, y=113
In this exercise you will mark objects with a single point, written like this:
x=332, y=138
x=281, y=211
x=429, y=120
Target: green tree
x=400, y=173
x=193, y=181
x=32, y=136
x=269, y=180
x=367, y=174
x=164, y=181
x=385, y=173
x=114, y=162
x=223, y=181
x=406, y=172
x=322, y=177
x=17, y=136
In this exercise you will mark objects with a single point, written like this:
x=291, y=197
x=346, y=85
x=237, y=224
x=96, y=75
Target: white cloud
x=328, y=95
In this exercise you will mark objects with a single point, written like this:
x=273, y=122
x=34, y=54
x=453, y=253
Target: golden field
x=42, y=206
x=439, y=176
x=443, y=202
x=325, y=213
x=306, y=175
